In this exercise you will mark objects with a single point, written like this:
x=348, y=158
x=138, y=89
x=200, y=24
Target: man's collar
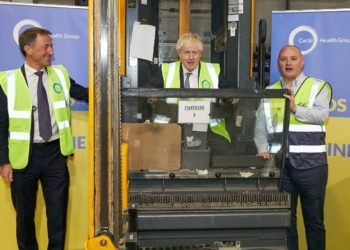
x=297, y=81
x=29, y=70
x=194, y=71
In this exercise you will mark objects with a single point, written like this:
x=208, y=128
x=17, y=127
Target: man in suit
x=35, y=136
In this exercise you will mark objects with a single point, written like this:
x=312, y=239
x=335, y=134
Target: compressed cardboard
x=153, y=146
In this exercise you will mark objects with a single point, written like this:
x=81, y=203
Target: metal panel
x=206, y=220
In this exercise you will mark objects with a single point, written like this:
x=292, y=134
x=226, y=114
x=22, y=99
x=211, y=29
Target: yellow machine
x=208, y=199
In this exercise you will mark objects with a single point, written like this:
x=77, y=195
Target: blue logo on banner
x=19, y=27
x=305, y=38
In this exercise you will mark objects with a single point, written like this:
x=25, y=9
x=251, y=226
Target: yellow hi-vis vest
x=20, y=112
x=304, y=138
x=208, y=79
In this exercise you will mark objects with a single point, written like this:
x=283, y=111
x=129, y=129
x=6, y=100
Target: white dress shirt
x=32, y=80
x=193, y=77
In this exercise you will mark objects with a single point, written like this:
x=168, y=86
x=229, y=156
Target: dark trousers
x=48, y=166
x=310, y=185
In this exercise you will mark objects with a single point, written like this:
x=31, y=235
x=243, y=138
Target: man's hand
x=6, y=172
x=290, y=97
x=265, y=155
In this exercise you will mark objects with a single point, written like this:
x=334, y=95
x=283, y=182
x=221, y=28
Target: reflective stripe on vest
x=20, y=136
x=63, y=125
x=63, y=103
x=171, y=73
x=314, y=144
x=20, y=116
x=307, y=128
x=307, y=148
x=314, y=91
x=63, y=82
x=16, y=114
x=214, y=77
x=59, y=76
x=11, y=90
x=169, y=80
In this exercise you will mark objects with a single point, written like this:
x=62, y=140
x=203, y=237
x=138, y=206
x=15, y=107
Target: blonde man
x=190, y=72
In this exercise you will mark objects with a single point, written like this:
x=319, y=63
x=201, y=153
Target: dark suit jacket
x=76, y=91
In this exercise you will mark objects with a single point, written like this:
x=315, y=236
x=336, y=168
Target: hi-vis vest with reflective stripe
x=20, y=112
x=307, y=147
x=208, y=79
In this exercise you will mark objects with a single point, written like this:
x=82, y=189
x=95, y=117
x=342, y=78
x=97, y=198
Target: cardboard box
x=153, y=146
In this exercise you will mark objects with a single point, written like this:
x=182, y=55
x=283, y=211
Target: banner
x=69, y=29
x=324, y=39
x=68, y=26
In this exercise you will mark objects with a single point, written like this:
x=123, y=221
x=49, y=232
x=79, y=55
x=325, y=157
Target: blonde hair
x=189, y=38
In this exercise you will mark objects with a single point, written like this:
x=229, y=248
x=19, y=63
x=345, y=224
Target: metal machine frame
x=106, y=50
x=220, y=209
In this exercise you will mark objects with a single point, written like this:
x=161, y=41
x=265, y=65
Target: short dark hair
x=28, y=36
